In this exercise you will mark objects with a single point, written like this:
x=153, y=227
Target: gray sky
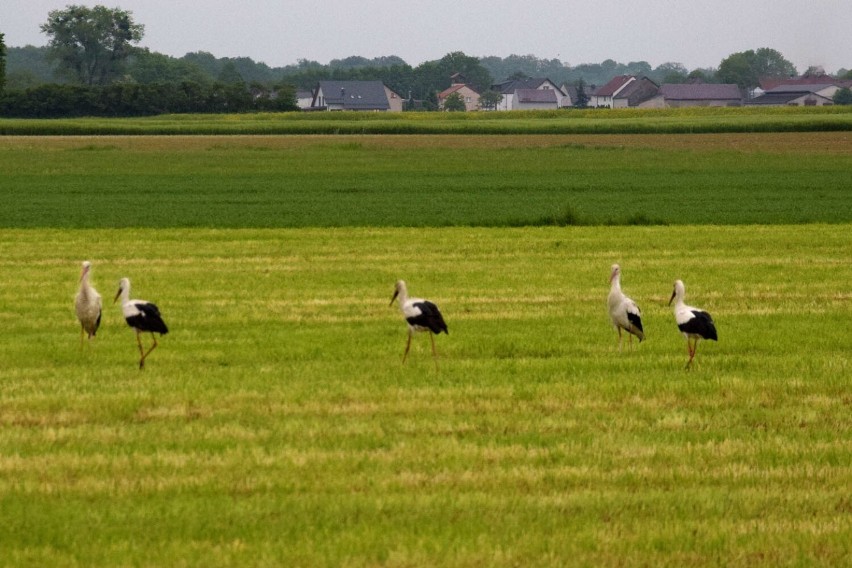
x=279, y=33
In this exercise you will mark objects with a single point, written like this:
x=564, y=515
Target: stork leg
x=618, y=328
x=82, y=333
x=691, y=347
x=142, y=361
x=630, y=342
x=407, y=347
x=141, y=350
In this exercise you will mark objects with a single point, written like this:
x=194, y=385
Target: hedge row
x=125, y=100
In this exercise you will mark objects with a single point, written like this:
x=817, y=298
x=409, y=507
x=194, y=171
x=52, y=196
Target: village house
x=516, y=94
x=604, y=96
x=797, y=95
x=570, y=94
x=695, y=94
x=355, y=95
x=304, y=99
x=467, y=93
x=635, y=93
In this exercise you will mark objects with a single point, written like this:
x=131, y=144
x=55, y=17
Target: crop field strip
x=593, y=121
x=276, y=424
x=256, y=181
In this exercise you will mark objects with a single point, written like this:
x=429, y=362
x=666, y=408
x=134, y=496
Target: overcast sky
x=281, y=32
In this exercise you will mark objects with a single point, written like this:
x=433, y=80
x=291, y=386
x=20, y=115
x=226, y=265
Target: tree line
x=91, y=65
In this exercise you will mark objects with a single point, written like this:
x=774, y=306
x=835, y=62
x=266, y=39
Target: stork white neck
x=615, y=278
x=678, y=294
x=124, y=290
x=84, y=279
x=401, y=292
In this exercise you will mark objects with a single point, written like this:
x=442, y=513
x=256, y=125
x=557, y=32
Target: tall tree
x=91, y=44
x=454, y=103
x=2, y=62
x=843, y=96
x=490, y=99
x=747, y=68
x=582, y=97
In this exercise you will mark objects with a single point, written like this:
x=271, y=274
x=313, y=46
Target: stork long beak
x=673, y=297
x=117, y=294
x=395, y=294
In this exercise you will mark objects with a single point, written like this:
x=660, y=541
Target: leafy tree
x=490, y=99
x=457, y=62
x=2, y=62
x=844, y=74
x=746, y=68
x=91, y=44
x=843, y=96
x=582, y=97
x=229, y=74
x=670, y=73
x=30, y=64
x=737, y=68
x=454, y=103
x=770, y=63
x=150, y=67
x=701, y=75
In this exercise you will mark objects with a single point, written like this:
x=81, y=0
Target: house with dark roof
x=511, y=101
x=304, y=98
x=672, y=95
x=536, y=99
x=603, y=96
x=355, y=95
x=797, y=95
x=570, y=92
x=635, y=93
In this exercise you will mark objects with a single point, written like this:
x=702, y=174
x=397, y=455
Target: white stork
x=87, y=304
x=421, y=315
x=141, y=316
x=623, y=311
x=695, y=324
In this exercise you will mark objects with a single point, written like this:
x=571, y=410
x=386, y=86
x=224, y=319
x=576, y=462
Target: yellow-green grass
x=275, y=424
x=620, y=121
x=299, y=181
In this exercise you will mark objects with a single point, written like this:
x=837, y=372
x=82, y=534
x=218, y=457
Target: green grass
x=598, y=121
x=244, y=182
x=276, y=426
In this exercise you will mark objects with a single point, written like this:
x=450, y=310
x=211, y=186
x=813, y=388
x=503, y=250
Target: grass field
x=410, y=181
x=276, y=426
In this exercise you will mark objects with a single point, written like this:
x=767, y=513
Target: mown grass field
x=275, y=424
x=427, y=181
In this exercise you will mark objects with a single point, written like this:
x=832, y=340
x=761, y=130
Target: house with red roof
x=467, y=93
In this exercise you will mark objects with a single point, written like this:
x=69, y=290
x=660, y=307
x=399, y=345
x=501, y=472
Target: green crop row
x=687, y=120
